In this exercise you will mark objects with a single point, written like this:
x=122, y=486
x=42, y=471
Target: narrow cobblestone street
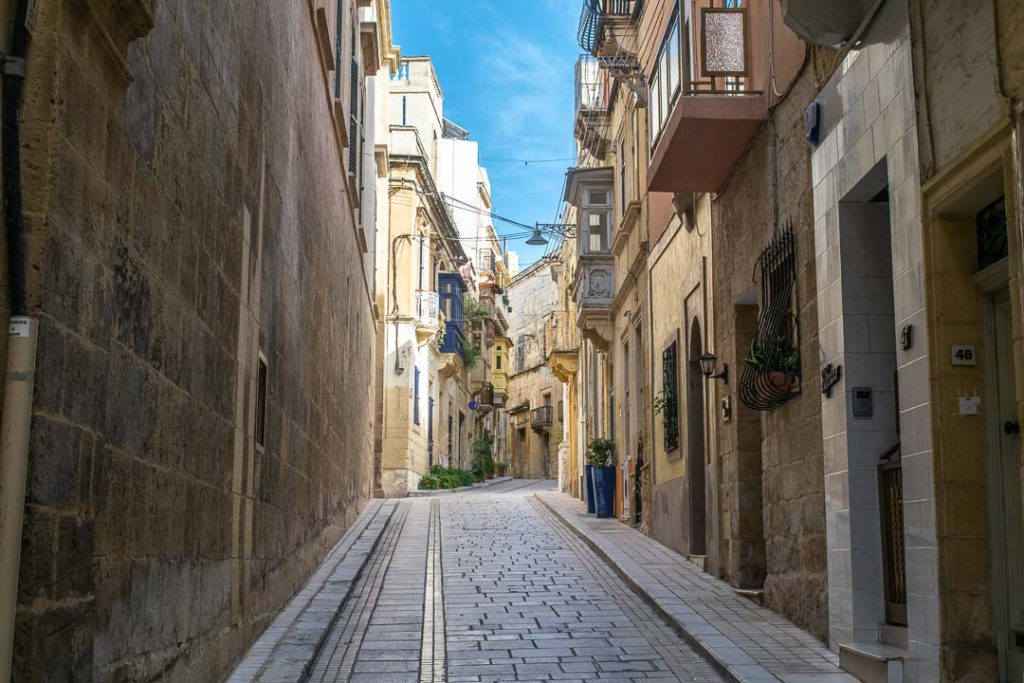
x=510, y=595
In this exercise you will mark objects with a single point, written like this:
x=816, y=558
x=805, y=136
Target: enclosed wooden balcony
x=593, y=287
x=428, y=315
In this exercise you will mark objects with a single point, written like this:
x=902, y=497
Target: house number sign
x=963, y=355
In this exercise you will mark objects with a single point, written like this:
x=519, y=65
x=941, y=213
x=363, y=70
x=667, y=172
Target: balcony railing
x=593, y=91
x=589, y=32
x=592, y=86
x=542, y=418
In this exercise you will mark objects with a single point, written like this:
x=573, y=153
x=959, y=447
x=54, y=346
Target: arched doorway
x=695, y=442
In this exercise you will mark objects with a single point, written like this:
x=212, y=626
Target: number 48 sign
x=964, y=355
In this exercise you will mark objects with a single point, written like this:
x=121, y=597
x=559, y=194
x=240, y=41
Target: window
x=993, y=245
x=666, y=79
x=338, y=25
x=405, y=110
x=622, y=176
x=669, y=400
x=416, y=397
x=260, y=426
x=597, y=212
x=497, y=360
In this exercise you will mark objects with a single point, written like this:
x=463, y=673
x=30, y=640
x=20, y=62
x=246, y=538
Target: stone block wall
x=793, y=507
x=187, y=208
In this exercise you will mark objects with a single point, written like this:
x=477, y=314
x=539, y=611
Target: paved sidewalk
x=286, y=649
x=746, y=642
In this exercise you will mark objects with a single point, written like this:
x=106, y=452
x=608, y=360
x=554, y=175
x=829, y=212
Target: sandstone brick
x=136, y=184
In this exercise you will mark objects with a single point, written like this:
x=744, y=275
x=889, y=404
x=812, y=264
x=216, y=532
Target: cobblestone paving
x=488, y=586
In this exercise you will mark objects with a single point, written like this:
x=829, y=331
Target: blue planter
x=588, y=481
x=604, y=489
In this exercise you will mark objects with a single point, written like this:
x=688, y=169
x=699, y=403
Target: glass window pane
x=655, y=108
x=673, y=58
x=597, y=227
x=665, y=88
x=597, y=198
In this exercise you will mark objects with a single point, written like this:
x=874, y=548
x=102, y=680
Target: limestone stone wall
x=791, y=454
x=534, y=298
x=188, y=209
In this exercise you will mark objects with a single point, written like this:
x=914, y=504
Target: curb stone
x=695, y=640
x=286, y=650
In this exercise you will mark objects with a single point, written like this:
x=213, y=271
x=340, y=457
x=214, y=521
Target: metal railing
x=588, y=33
x=592, y=86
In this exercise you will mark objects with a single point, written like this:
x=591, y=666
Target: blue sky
x=506, y=68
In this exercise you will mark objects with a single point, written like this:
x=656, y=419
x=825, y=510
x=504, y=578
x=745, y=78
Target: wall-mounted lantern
x=708, y=364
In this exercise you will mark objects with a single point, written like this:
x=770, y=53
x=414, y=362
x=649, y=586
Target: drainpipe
x=21, y=351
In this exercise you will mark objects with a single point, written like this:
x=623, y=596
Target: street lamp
x=708, y=363
x=537, y=239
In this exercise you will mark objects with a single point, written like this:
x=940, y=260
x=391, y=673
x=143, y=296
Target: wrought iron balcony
x=594, y=16
x=542, y=418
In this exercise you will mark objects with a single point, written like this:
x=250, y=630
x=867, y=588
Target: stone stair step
x=873, y=662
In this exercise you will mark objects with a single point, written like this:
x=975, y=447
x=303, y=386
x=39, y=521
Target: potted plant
x=601, y=458
x=502, y=468
x=588, y=481
x=777, y=360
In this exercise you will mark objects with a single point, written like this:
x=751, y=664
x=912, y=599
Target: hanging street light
x=537, y=239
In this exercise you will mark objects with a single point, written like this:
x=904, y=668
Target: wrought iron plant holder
x=757, y=388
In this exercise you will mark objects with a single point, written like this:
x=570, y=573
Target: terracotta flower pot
x=783, y=381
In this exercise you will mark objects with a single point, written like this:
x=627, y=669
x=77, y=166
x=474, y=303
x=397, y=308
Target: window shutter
x=670, y=414
x=416, y=397
x=355, y=137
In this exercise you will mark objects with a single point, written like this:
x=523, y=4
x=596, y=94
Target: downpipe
x=15, y=423
x=14, y=439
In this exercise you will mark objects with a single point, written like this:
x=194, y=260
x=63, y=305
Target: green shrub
x=482, y=463
x=442, y=478
x=470, y=354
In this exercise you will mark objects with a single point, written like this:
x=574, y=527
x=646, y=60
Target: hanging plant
x=776, y=359
x=470, y=354
x=475, y=309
